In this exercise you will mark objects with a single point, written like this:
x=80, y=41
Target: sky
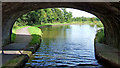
x=79, y=13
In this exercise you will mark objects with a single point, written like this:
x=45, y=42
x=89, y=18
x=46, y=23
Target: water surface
x=68, y=45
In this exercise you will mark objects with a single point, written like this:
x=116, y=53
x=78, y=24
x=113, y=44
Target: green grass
x=36, y=35
x=100, y=36
x=13, y=35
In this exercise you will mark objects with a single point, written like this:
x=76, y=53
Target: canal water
x=66, y=45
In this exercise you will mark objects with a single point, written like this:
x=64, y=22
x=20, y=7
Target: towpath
x=23, y=37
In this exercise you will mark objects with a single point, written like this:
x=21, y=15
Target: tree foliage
x=51, y=15
x=48, y=15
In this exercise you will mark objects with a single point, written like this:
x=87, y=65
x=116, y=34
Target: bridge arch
x=108, y=13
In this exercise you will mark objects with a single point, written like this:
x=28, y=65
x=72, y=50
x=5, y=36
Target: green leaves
x=48, y=15
x=67, y=15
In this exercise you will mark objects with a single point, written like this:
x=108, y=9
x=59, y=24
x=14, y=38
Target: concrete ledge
x=14, y=54
x=107, y=54
x=17, y=61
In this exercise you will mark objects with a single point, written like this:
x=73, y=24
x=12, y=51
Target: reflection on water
x=68, y=45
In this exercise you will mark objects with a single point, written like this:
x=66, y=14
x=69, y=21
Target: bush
x=100, y=36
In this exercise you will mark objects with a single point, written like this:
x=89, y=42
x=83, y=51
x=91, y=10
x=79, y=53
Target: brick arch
x=108, y=13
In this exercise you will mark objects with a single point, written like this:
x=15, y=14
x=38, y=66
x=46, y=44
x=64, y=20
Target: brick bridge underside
x=107, y=12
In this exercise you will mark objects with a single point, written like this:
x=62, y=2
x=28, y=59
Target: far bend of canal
x=66, y=45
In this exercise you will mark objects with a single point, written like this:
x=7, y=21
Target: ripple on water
x=68, y=48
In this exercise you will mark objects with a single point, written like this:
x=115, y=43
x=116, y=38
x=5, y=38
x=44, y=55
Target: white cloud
x=79, y=13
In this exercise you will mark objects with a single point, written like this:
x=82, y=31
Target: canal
x=66, y=45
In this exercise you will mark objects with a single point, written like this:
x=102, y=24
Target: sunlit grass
x=36, y=35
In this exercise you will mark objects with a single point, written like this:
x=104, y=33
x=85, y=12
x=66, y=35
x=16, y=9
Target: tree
x=48, y=15
x=60, y=15
x=67, y=15
x=43, y=16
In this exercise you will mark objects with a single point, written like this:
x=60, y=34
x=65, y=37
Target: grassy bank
x=36, y=35
x=100, y=36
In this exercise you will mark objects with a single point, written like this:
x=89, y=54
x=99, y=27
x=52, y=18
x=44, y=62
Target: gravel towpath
x=23, y=38
x=23, y=35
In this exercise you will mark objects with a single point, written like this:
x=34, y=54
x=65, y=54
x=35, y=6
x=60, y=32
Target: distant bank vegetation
x=54, y=15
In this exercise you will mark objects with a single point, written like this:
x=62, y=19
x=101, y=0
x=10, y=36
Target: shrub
x=100, y=36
